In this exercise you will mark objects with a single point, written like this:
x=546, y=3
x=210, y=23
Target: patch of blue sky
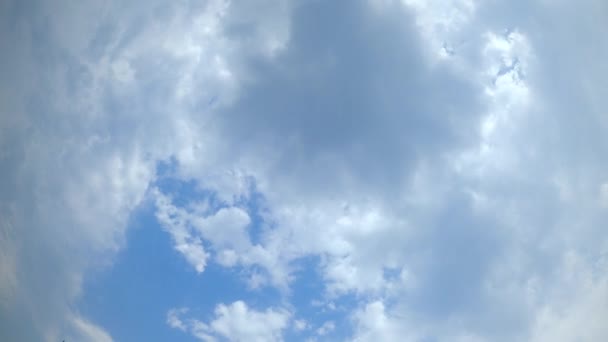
x=149, y=277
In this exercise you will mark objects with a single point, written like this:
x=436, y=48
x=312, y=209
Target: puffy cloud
x=174, y=320
x=175, y=221
x=236, y=322
x=300, y=325
x=442, y=162
x=326, y=328
x=226, y=228
x=223, y=229
x=374, y=324
x=77, y=157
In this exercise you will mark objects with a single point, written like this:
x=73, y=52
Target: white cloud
x=326, y=328
x=236, y=322
x=469, y=175
x=361, y=228
x=223, y=230
x=441, y=22
x=226, y=228
x=175, y=221
x=576, y=309
x=174, y=320
x=373, y=324
x=77, y=154
x=300, y=324
x=86, y=331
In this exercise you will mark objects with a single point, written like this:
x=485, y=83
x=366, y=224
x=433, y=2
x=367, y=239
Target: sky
x=304, y=170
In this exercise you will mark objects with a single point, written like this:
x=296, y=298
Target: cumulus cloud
x=176, y=222
x=224, y=230
x=300, y=325
x=374, y=325
x=75, y=159
x=441, y=161
x=235, y=322
x=326, y=328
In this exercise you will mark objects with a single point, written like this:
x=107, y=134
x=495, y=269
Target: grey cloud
x=336, y=111
x=351, y=102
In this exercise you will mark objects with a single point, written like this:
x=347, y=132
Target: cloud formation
x=441, y=162
x=234, y=322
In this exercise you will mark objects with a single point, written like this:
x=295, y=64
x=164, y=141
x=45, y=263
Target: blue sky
x=281, y=170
